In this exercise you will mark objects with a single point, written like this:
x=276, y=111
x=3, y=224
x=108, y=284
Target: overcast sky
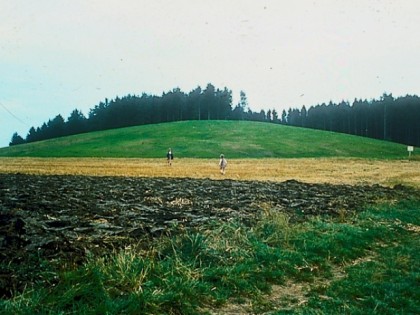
x=58, y=55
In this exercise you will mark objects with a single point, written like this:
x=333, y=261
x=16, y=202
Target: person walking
x=222, y=164
x=169, y=157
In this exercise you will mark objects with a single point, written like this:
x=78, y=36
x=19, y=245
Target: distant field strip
x=311, y=170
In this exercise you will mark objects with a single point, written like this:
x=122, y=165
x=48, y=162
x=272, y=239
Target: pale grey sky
x=58, y=55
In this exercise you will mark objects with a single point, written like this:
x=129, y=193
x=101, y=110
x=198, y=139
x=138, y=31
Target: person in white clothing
x=222, y=164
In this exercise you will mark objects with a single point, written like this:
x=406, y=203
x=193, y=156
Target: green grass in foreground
x=207, y=139
x=360, y=264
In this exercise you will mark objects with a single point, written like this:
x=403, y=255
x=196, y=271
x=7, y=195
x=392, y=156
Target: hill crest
x=208, y=139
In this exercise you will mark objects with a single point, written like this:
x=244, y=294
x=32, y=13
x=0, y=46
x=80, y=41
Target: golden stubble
x=310, y=170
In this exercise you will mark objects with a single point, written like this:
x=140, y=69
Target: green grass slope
x=207, y=139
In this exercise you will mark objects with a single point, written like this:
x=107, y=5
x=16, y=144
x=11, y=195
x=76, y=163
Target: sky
x=59, y=55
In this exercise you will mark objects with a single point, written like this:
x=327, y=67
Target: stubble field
x=309, y=170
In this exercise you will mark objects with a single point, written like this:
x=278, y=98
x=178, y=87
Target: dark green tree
x=275, y=116
x=31, y=136
x=16, y=139
x=284, y=117
x=76, y=123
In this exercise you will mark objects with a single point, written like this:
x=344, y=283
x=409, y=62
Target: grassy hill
x=207, y=139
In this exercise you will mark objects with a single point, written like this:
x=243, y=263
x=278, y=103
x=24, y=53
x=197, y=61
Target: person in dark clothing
x=169, y=157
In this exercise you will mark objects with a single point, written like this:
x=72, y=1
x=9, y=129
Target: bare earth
x=309, y=170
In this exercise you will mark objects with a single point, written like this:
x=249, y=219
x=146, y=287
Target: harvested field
x=309, y=170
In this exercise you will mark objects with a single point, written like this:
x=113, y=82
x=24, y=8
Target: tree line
x=389, y=118
x=210, y=103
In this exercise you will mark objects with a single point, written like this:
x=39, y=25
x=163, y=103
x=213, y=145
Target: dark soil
x=64, y=218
